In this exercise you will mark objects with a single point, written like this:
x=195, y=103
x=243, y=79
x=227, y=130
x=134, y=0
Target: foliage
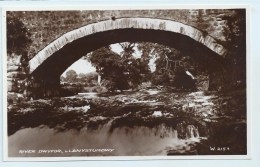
x=18, y=36
x=235, y=33
x=137, y=68
x=71, y=76
x=168, y=62
x=111, y=68
x=89, y=79
x=119, y=71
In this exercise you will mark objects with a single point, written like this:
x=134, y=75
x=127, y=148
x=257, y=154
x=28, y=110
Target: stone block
x=14, y=60
x=13, y=97
x=11, y=68
x=16, y=75
x=9, y=86
x=17, y=86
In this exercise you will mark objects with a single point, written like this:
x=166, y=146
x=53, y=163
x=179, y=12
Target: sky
x=84, y=66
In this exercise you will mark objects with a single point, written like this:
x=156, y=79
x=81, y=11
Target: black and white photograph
x=157, y=82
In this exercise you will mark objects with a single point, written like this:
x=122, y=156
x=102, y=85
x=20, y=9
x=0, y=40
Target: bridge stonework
x=125, y=23
x=46, y=26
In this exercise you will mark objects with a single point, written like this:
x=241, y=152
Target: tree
x=167, y=60
x=18, y=36
x=120, y=71
x=111, y=68
x=137, y=68
x=71, y=76
x=235, y=33
x=171, y=65
x=89, y=79
x=128, y=50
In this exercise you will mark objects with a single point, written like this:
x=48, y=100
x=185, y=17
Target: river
x=147, y=122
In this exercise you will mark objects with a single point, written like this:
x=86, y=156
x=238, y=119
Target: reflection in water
x=125, y=141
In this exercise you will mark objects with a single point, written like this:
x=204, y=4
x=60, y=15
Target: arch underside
x=58, y=62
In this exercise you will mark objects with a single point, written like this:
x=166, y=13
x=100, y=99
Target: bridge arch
x=54, y=59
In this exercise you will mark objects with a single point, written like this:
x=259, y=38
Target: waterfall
x=125, y=141
x=187, y=131
x=192, y=132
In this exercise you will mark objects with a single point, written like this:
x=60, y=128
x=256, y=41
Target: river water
x=148, y=122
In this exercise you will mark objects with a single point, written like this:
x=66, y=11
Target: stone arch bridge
x=49, y=63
